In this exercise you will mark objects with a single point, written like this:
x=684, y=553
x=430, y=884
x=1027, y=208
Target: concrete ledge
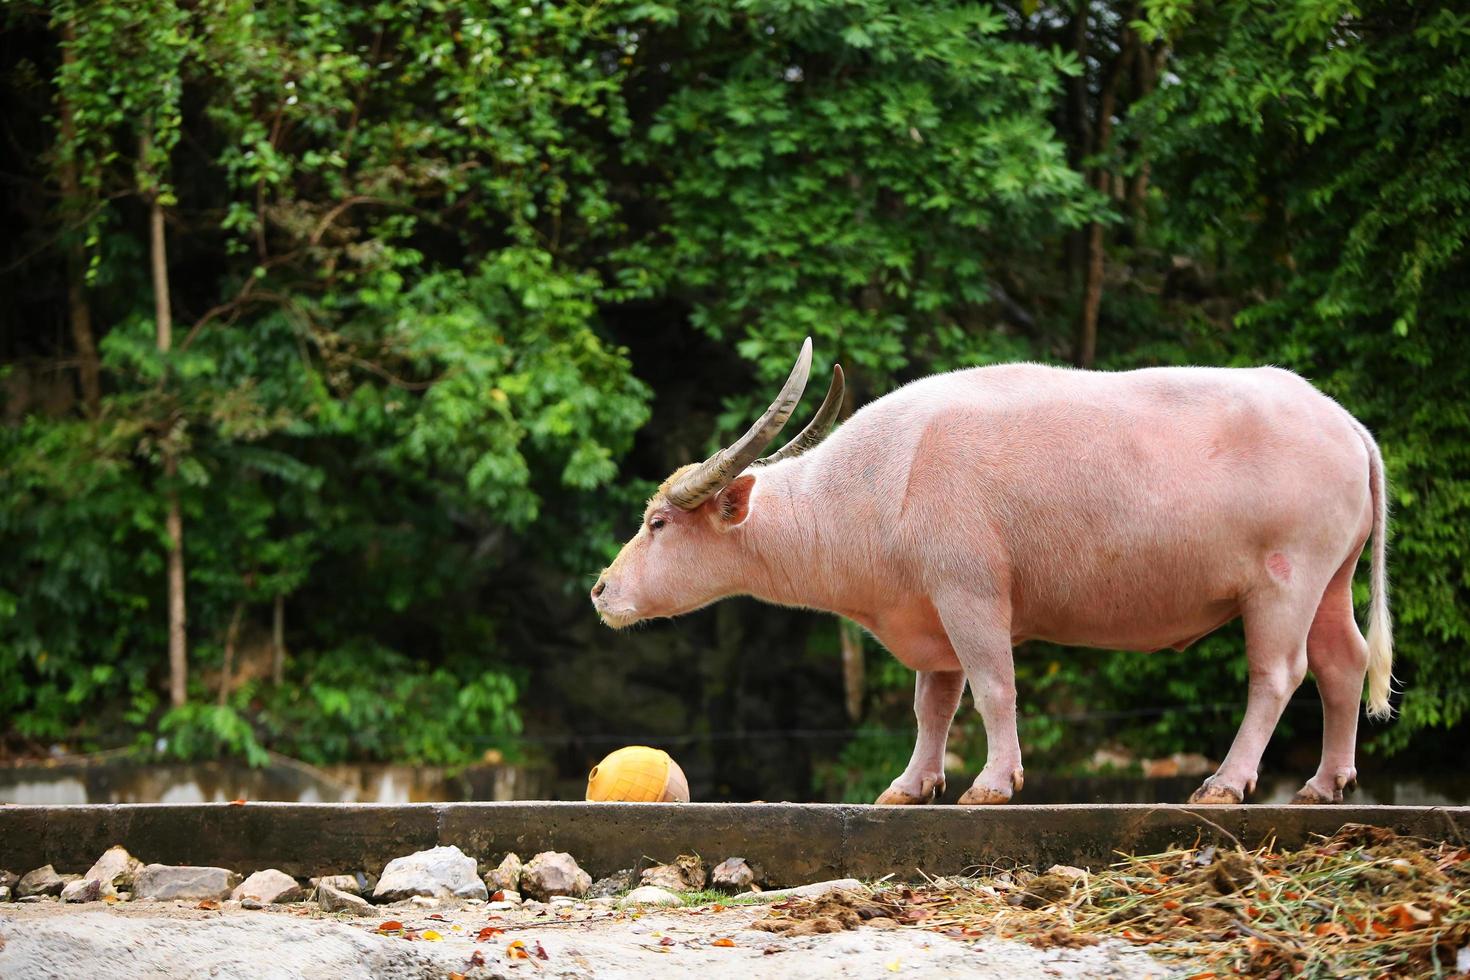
x=795, y=843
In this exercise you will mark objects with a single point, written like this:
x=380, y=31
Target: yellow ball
x=637, y=774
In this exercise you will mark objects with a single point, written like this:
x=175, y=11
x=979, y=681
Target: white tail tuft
x=1380, y=621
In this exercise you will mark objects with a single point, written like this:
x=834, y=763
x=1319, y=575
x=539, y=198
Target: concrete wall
x=795, y=843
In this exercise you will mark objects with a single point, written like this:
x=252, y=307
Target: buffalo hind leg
x=1338, y=657
x=980, y=632
x=1276, y=650
x=936, y=696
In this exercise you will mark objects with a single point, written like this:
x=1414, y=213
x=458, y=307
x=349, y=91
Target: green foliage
x=415, y=250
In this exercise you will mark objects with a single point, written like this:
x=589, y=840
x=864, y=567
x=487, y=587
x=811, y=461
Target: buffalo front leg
x=936, y=696
x=979, y=629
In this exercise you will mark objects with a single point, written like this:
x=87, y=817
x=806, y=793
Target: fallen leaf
x=1404, y=917
x=436, y=915
x=666, y=941
x=1170, y=904
x=517, y=951
x=540, y=951
x=392, y=925
x=456, y=976
x=717, y=907
x=1329, y=929
x=498, y=897
x=489, y=932
x=893, y=967
x=477, y=958
x=208, y=905
x=431, y=936
x=723, y=942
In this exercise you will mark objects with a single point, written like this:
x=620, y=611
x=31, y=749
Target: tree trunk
x=232, y=635
x=178, y=651
x=1101, y=179
x=1080, y=141
x=850, y=635
x=278, y=642
x=72, y=207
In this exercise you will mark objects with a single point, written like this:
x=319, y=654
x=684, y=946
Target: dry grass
x=1363, y=902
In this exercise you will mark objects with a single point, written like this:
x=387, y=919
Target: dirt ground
x=179, y=940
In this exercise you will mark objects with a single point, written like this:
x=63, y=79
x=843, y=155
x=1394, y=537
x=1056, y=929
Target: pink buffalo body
x=967, y=512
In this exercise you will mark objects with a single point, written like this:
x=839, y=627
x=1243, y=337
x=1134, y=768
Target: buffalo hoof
x=1211, y=795
x=1345, y=782
x=986, y=796
x=1307, y=796
x=892, y=796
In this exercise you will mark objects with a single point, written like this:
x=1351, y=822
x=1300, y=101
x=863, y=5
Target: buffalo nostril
x=597, y=589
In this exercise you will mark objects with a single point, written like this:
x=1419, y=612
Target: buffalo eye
x=655, y=523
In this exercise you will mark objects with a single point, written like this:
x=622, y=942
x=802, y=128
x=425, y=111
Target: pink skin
x=968, y=512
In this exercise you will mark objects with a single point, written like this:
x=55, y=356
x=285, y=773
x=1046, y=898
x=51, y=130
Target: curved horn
x=711, y=476
x=817, y=429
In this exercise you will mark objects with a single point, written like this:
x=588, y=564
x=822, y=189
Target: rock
x=343, y=883
x=513, y=898
x=614, y=884
x=507, y=877
x=440, y=872
x=115, y=870
x=82, y=890
x=5, y=893
x=269, y=886
x=686, y=874
x=253, y=904
x=42, y=881
x=9, y=879
x=653, y=895
x=815, y=890
x=36, y=899
x=732, y=875
x=165, y=882
x=554, y=873
x=332, y=900
x=1067, y=871
x=500, y=906
x=425, y=902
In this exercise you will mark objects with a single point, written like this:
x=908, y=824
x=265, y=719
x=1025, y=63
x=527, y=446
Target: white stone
x=554, y=873
x=653, y=895
x=269, y=886
x=165, y=882
x=440, y=872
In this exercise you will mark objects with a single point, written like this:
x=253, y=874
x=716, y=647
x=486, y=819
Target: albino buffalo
x=967, y=512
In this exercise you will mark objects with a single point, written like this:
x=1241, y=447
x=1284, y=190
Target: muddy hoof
x=1307, y=796
x=985, y=796
x=1211, y=795
x=975, y=796
x=897, y=797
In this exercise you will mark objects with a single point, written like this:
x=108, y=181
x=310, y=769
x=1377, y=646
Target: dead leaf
x=477, y=958
x=208, y=905
x=431, y=936
x=436, y=915
x=517, y=951
x=540, y=951
x=489, y=932
x=498, y=897
x=391, y=926
x=724, y=941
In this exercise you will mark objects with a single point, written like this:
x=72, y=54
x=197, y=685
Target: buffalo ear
x=732, y=504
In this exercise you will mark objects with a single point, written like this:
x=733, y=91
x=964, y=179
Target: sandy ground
x=178, y=940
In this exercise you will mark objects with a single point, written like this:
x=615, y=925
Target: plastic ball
x=637, y=774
